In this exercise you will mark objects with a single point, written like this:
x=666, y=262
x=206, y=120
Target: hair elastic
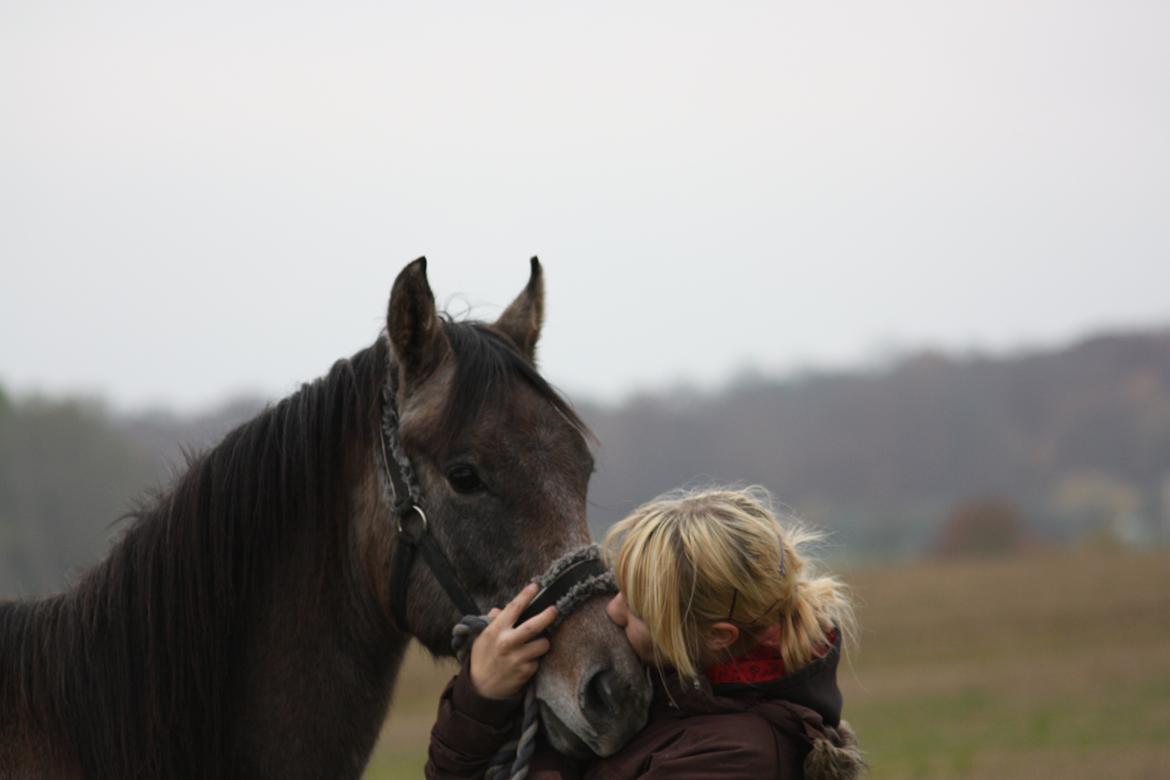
x=734, y=596
x=735, y=591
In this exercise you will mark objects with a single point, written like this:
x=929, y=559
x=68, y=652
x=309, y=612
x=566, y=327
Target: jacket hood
x=804, y=705
x=813, y=686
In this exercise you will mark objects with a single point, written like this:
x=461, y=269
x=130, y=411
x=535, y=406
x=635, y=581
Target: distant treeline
x=1044, y=447
x=1077, y=440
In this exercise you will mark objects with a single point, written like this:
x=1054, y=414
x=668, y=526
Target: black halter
x=566, y=584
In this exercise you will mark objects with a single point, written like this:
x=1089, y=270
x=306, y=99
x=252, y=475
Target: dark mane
x=488, y=366
x=146, y=646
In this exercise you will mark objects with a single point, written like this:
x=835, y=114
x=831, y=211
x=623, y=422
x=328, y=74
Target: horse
x=244, y=624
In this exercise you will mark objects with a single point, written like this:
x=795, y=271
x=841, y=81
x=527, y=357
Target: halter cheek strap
x=412, y=542
x=410, y=521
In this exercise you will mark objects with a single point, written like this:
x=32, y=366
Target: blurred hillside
x=932, y=453
x=1076, y=441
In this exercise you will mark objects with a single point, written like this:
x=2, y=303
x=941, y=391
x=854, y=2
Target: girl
x=741, y=637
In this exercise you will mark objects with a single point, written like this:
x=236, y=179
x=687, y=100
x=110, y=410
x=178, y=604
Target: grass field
x=1045, y=666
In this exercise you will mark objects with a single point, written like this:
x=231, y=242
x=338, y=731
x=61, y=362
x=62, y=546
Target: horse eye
x=464, y=479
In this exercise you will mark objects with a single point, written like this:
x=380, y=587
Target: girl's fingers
x=534, y=649
x=514, y=607
x=535, y=625
x=493, y=612
x=514, y=639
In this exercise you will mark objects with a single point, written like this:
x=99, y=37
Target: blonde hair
x=687, y=560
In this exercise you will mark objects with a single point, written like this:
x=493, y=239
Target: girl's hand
x=503, y=658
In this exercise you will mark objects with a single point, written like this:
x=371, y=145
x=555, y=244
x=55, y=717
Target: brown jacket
x=785, y=728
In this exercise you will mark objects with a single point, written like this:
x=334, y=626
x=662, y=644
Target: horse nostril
x=602, y=694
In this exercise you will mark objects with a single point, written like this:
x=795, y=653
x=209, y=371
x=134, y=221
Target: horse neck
x=227, y=623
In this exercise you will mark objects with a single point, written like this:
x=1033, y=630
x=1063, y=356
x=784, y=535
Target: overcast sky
x=211, y=198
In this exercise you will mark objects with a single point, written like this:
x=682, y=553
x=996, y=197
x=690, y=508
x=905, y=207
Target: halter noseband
x=569, y=582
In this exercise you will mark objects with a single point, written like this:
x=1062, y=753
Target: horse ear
x=522, y=319
x=416, y=336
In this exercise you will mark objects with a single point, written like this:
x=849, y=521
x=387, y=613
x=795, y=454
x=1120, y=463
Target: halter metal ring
x=420, y=512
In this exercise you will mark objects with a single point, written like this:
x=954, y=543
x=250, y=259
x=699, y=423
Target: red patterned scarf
x=759, y=665
x=762, y=664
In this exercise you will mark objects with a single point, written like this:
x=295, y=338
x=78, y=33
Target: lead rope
x=511, y=761
x=514, y=756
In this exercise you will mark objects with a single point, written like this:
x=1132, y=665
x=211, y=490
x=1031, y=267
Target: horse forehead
x=521, y=427
x=532, y=430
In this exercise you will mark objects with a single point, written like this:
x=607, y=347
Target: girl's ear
x=721, y=636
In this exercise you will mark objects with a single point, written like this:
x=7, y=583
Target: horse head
x=502, y=465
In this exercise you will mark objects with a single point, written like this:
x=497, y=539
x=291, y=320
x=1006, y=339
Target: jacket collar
x=813, y=686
